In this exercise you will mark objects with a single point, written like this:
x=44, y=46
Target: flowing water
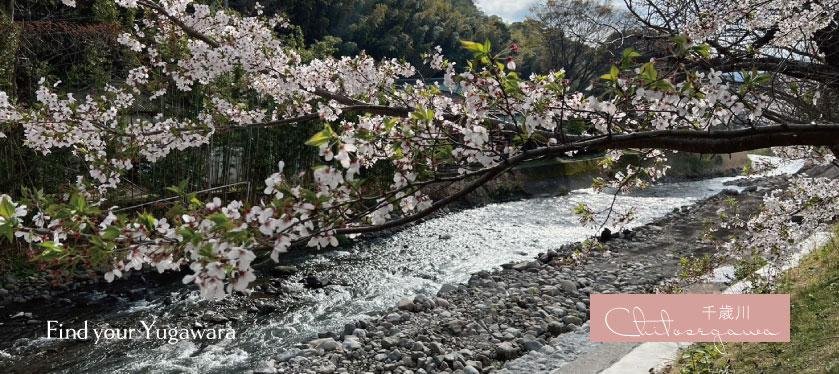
x=374, y=274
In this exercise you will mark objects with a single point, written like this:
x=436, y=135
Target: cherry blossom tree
x=726, y=77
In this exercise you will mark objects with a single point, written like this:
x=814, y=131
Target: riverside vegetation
x=814, y=340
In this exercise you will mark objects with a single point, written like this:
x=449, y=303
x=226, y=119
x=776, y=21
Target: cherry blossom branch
x=716, y=142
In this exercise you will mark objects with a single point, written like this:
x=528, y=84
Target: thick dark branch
x=716, y=141
x=177, y=21
x=694, y=141
x=792, y=68
x=488, y=175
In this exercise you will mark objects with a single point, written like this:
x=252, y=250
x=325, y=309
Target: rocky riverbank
x=501, y=315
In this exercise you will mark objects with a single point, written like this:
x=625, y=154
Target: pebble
x=351, y=343
x=550, y=290
x=572, y=320
x=327, y=344
x=556, y=328
x=361, y=333
x=214, y=317
x=406, y=304
x=285, y=270
x=532, y=345
x=506, y=351
x=265, y=367
x=469, y=369
x=567, y=285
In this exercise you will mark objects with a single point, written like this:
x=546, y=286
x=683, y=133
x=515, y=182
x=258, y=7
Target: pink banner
x=689, y=318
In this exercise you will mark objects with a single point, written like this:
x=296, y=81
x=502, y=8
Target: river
x=372, y=275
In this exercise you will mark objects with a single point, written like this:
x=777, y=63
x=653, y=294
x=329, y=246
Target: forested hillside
x=389, y=28
x=75, y=44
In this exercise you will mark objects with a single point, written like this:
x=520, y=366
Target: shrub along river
x=368, y=276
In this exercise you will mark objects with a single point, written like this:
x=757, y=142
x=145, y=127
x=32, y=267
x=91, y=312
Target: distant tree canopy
x=390, y=28
x=580, y=36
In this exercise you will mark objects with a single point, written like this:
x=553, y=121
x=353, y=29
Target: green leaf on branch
x=194, y=202
x=180, y=189
x=398, y=153
x=754, y=79
x=78, y=203
x=101, y=245
x=189, y=235
x=7, y=229
x=110, y=233
x=390, y=123
x=7, y=209
x=219, y=219
x=628, y=56
x=681, y=42
x=511, y=84
x=661, y=85
x=147, y=220
x=472, y=46
x=613, y=74
x=206, y=251
x=51, y=251
x=584, y=213
x=322, y=137
x=703, y=50
x=424, y=114
x=481, y=51
x=648, y=73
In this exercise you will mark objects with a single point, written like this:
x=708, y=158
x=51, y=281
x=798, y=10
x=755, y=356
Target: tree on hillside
x=411, y=28
x=728, y=77
x=579, y=36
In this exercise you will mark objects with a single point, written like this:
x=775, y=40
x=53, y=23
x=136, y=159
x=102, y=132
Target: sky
x=509, y=10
